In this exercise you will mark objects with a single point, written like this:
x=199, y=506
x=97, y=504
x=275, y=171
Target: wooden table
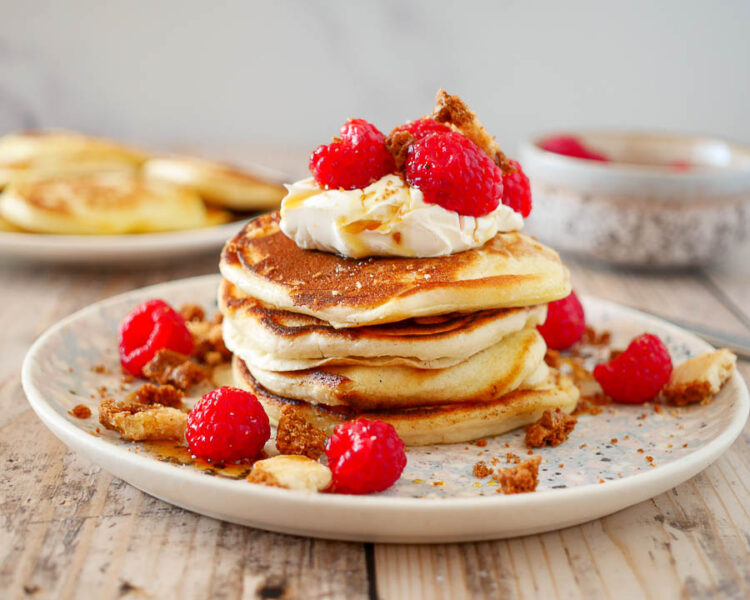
x=70, y=529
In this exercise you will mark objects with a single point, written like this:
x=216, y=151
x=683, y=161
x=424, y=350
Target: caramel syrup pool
x=178, y=454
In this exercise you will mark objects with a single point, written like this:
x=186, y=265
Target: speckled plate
x=601, y=469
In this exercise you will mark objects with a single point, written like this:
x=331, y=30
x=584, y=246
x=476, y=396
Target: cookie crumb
x=520, y=479
x=80, y=411
x=142, y=417
x=481, y=470
x=192, y=312
x=173, y=368
x=699, y=379
x=295, y=436
x=551, y=429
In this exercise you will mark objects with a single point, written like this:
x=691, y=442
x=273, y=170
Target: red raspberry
x=354, y=161
x=565, y=323
x=227, y=425
x=517, y=190
x=365, y=456
x=455, y=173
x=422, y=127
x=152, y=326
x=639, y=373
x=571, y=146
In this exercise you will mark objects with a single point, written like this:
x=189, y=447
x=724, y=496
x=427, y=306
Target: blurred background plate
x=122, y=249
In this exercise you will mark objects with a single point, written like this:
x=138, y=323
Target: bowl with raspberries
x=639, y=199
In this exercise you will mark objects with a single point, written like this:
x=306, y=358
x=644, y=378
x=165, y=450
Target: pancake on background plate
x=218, y=184
x=111, y=203
x=58, y=153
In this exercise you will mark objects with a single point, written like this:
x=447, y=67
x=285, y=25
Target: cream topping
x=387, y=218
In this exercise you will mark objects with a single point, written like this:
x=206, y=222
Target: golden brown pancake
x=484, y=376
x=35, y=154
x=281, y=340
x=446, y=424
x=111, y=203
x=217, y=183
x=510, y=270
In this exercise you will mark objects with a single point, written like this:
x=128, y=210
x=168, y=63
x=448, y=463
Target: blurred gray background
x=190, y=71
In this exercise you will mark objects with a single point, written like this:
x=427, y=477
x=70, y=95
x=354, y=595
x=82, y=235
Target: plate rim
x=705, y=454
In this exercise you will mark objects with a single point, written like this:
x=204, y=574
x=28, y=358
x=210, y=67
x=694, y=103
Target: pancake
x=280, y=340
x=219, y=184
x=56, y=153
x=451, y=423
x=100, y=204
x=511, y=270
x=216, y=216
x=484, y=376
x=8, y=226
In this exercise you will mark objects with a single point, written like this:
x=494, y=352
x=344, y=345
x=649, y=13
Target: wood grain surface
x=70, y=530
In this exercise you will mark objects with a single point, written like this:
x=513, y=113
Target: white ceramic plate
x=98, y=249
x=437, y=498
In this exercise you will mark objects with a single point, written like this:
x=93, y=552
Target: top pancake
x=510, y=270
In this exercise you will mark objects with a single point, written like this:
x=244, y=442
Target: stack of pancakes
x=445, y=349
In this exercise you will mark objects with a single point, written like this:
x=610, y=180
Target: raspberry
x=455, y=173
x=517, y=190
x=227, y=425
x=565, y=323
x=354, y=161
x=571, y=146
x=152, y=326
x=365, y=456
x=422, y=127
x=638, y=374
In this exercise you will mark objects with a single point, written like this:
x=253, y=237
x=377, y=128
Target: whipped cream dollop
x=387, y=218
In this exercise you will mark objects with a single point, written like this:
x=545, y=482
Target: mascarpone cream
x=387, y=218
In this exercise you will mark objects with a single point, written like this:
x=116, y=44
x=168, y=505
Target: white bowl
x=637, y=209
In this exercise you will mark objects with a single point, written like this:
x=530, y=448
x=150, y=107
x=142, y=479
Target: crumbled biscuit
x=291, y=472
x=169, y=367
x=296, y=436
x=512, y=457
x=591, y=404
x=192, y=312
x=141, y=417
x=552, y=358
x=700, y=378
x=80, y=411
x=149, y=394
x=593, y=338
x=481, y=470
x=520, y=479
x=454, y=111
x=398, y=144
x=552, y=429
x=208, y=343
